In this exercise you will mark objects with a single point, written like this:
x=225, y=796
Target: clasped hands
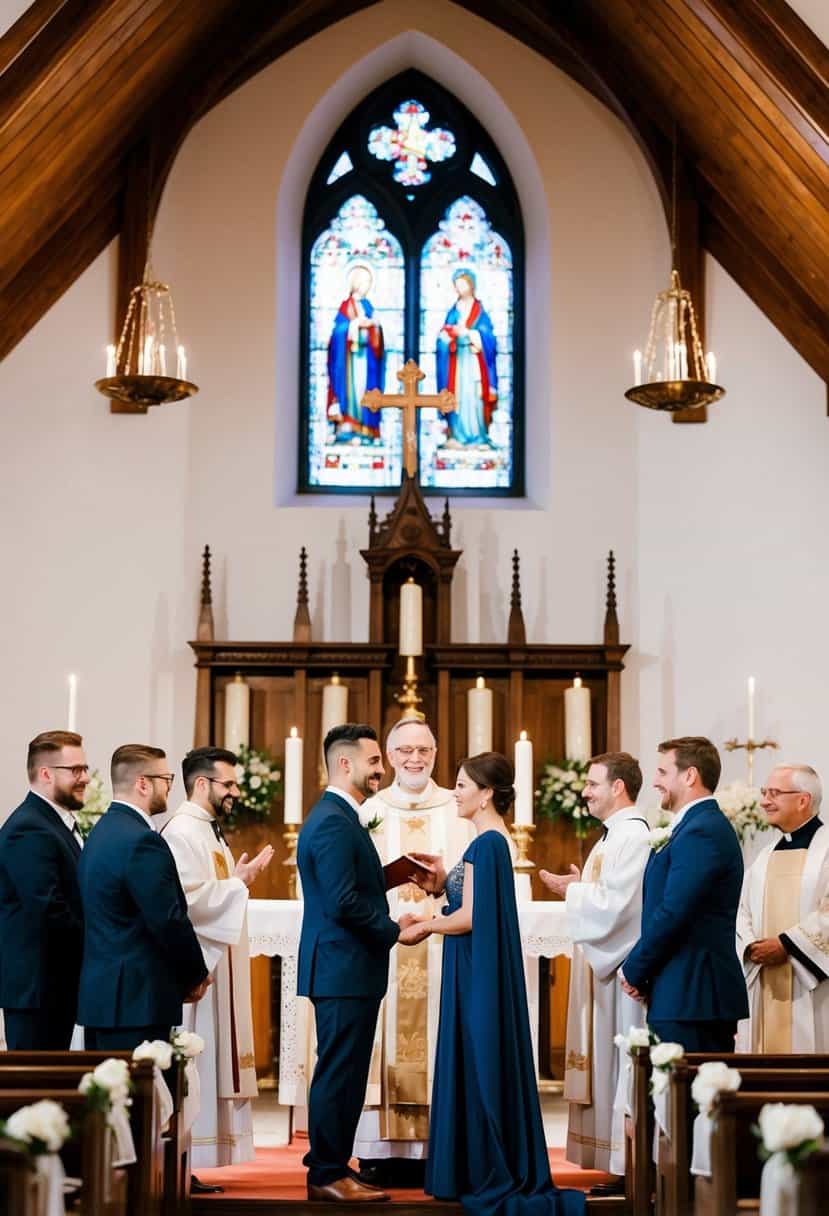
x=196, y=994
x=414, y=929
x=768, y=952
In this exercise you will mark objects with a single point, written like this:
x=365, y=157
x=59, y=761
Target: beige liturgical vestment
x=217, y=905
x=786, y=891
x=395, y=1121
x=604, y=913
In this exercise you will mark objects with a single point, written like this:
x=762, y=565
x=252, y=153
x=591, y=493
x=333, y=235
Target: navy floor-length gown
x=486, y=1139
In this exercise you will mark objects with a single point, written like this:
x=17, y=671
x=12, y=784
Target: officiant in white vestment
x=413, y=815
x=783, y=922
x=604, y=911
x=216, y=887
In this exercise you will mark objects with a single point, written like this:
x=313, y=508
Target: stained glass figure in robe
x=356, y=361
x=465, y=362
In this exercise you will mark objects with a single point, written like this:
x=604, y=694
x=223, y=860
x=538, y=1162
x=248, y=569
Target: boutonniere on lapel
x=370, y=819
x=659, y=837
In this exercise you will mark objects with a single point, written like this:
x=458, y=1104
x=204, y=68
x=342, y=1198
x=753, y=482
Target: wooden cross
x=409, y=401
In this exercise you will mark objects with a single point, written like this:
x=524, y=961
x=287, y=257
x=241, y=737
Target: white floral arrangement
x=637, y=1036
x=713, y=1078
x=371, y=820
x=791, y=1131
x=42, y=1127
x=108, y=1086
x=663, y=1058
x=159, y=1051
x=740, y=803
x=559, y=796
x=186, y=1045
x=96, y=799
x=259, y=783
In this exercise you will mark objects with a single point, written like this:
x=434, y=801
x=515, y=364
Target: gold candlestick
x=751, y=746
x=409, y=698
x=522, y=834
x=291, y=836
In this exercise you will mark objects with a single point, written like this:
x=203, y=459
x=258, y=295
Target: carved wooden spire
x=447, y=523
x=302, y=618
x=516, y=633
x=611, y=621
x=372, y=521
x=205, y=630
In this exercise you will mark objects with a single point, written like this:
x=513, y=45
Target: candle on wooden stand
x=524, y=785
x=411, y=619
x=293, y=778
x=334, y=713
x=479, y=718
x=72, y=711
x=577, y=721
x=110, y=361
x=237, y=714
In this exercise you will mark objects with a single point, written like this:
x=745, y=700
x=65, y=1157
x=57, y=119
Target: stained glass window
x=412, y=248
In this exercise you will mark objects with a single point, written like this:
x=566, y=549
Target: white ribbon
x=192, y=1102
x=122, y=1135
x=163, y=1097
x=51, y=1177
x=779, y=1187
x=701, y=1156
x=660, y=1121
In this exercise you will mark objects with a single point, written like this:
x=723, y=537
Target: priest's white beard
x=413, y=783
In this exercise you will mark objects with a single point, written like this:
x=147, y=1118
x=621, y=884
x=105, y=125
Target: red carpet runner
x=278, y=1173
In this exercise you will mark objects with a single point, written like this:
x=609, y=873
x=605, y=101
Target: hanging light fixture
x=148, y=349
x=674, y=374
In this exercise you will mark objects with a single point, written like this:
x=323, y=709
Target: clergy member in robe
x=413, y=815
x=356, y=361
x=216, y=888
x=783, y=922
x=604, y=914
x=465, y=364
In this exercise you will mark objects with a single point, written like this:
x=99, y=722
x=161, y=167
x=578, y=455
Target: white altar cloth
x=273, y=930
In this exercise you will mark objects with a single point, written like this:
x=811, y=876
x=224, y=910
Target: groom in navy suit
x=347, y=934
x=685, y=965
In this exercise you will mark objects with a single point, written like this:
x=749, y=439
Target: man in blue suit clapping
x=685, y=965
x=141, y=956
x=347, y=934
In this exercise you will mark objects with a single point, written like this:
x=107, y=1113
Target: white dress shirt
x=350, y=799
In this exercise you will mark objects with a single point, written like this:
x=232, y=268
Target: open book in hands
x=405, y=869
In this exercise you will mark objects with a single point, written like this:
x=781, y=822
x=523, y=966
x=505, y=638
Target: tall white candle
x=72, y=711
x=181, y=364
x=683, y=360
x=110, y=361
x=479, y=718
x=637, y=367
x=411, y=619
x=752, y=688
x=334, y=706
x=162, y=360
x=293, y=777
x=524, y=786
x=711, y=366
x=147, y=364
x=237, y=714
x=577, y=745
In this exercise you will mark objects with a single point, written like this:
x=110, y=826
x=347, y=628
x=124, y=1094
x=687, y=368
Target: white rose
x=639, y=1036
x=158, y=1051
x=663, y=1054
x=255, y=782
x=240, y=772
x=188, y=1043
x=713, y=1078
x=45, y=1121
x=659, y=1081
x=274, y=774
x=112, y=1074
x=786, y=1127
x=621, y=1040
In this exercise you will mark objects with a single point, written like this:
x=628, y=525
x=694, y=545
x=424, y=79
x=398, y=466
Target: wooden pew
x=674, y=1184
x=104, y=1191
x=814, y=1184
x=734, y=1184
x=638, y=1125
x=146, y=1176
x=18, y=1181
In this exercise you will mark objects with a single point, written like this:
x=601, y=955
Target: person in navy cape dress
x=486, y=1139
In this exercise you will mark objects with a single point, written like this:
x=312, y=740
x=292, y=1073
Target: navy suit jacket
x=685, y=962
x=141, y=954
x=347, y=932
x=41, y=917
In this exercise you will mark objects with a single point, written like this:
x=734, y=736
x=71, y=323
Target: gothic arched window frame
x=412, y=216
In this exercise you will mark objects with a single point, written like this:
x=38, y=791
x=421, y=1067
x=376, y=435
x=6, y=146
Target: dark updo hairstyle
x=491, y=770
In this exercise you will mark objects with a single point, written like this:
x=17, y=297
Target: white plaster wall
x=104, y=517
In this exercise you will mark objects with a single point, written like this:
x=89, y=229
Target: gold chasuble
x=395, y=1121
x=579, y=1046
x=781, y=909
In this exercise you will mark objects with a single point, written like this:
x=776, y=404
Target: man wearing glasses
x=783, y=921
x=413, y=815
x=216, y=888
x=141, y=958
x=41, y=918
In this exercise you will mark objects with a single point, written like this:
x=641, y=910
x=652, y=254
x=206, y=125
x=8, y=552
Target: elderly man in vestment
x=783, y=922
x=413, y=815
x=604, y=910
x=216, y=888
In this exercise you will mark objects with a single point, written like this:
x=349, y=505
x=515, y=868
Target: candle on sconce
x=637, y=367
x=293, y=778
x=181, y=364
x=237, y=714
x=411, y=619
x=72, y=711
x=577, y=734
x=334, y=710
x=524, y=784
x=110, y=361
x=711, y=366
x=479, y=718
x=682, y=352
x=162, y=360
x=147, y=359
x=752, y=688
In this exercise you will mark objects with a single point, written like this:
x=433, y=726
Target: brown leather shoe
x=346, y=1190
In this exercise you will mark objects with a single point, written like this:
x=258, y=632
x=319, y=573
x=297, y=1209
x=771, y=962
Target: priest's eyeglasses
x=77, y=770
x=410, y=751
x=769, y=792
x=168, y=777
x=228, y=785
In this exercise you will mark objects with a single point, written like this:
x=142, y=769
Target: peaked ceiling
x=96, y=97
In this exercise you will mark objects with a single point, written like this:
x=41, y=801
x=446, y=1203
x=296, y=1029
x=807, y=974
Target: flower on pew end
x=660, y=1078
x=665, y=1055
x=108, y=1085
x=186, y=1044
x=43, y=1127
x=791, y=1129
x=712, y=1078
x=159, y=1051
x=637, y=1036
